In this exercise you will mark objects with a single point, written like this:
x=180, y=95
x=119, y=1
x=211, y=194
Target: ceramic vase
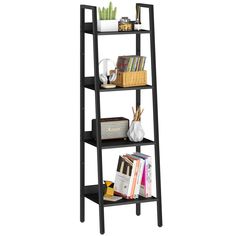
x=135, y=132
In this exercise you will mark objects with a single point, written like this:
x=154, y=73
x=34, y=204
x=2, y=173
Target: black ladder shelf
x=95, y=192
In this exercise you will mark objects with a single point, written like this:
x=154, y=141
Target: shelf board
x=116, y=143
x=92, y=194
x=126, y=32
x=89, y=30
x=91, y=86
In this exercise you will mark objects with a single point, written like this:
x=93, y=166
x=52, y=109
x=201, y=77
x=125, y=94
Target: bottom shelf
x=91, y=192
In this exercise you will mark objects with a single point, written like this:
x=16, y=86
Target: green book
x=134, y=64
x=130, y=63
x=138, y=64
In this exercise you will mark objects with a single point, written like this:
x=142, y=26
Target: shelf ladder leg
x=98, y=125
x=82, y=102
x=138, y=101
x=155, y=116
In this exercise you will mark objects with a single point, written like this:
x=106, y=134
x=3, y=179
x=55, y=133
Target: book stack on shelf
x=133, y=176
x=130, y=63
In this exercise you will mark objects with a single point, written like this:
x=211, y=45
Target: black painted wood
x=91, y=86
x=88, y=30
x=117, y=143
x=82, y=122
x=92, y=194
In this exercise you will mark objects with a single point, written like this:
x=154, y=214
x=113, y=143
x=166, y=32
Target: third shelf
x=115, y=143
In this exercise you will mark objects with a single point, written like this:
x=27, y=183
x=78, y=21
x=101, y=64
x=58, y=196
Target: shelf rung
x=89, y=84
x=115, y=143
x=91, y=192
x=88, y=28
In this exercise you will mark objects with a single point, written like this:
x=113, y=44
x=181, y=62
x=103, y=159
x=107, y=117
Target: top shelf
x=89, y=30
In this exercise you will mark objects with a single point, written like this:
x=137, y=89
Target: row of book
x=130, y=63
x=133, y=176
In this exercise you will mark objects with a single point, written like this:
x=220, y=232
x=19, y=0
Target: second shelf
x=89, y=84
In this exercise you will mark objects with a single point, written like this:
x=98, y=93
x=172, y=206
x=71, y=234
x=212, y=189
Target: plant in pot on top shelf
x=107, y=19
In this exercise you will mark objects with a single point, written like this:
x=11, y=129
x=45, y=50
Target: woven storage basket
x=130, y=79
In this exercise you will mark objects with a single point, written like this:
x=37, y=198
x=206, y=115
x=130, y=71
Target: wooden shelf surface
x=91, y=86
x=89, y=30
x=91, y=192
x=115, y=143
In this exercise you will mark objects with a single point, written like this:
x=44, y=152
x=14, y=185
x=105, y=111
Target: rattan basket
x=131, y=79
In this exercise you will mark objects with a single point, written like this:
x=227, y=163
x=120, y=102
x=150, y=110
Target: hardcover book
x=146, y=182
x=123, y=177
x=133, y=176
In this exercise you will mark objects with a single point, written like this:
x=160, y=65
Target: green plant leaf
x=110, y=11
x=103, y=13
x=100, y=13
x=114, y=13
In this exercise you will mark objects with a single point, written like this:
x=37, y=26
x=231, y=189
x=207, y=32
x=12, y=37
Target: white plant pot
x=107, y=25
x=135, y=132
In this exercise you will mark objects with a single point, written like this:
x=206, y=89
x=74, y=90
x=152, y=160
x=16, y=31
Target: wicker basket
x=131, y=79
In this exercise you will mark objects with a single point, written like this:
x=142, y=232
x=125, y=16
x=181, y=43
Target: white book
x=146, y=182
x=139, y=176
x=137, y=189
x=131, y=177
x=123, y=176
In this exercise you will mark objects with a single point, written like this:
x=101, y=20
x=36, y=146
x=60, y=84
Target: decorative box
x=131, y=78
x=112, y=128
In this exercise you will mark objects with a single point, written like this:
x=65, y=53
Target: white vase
x=107, y=25
x=135, y=132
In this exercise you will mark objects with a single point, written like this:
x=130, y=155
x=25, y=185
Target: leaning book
x=124, y=174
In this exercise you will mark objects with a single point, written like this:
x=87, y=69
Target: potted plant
x=107, y=19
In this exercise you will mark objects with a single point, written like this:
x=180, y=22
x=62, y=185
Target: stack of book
x=133, y=176
x=130, y=63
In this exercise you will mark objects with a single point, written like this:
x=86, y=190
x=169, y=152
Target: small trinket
x=137, y=23
x=125, y=24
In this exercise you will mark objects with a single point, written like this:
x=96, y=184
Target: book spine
x=141, y=64
x=131, y=180
x=126, y=63
x=134, y=64
x=142, y=190
x=119, y=63
x=139, y=177
x=144, y=60
x=122, y=63
x=146, y=185
x=130, y=63
x=149, y=178
x=138, y=63
x=134, y=185
x=123, y=176
x=135, y=179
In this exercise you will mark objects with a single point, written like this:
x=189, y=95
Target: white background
x=39, y=119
